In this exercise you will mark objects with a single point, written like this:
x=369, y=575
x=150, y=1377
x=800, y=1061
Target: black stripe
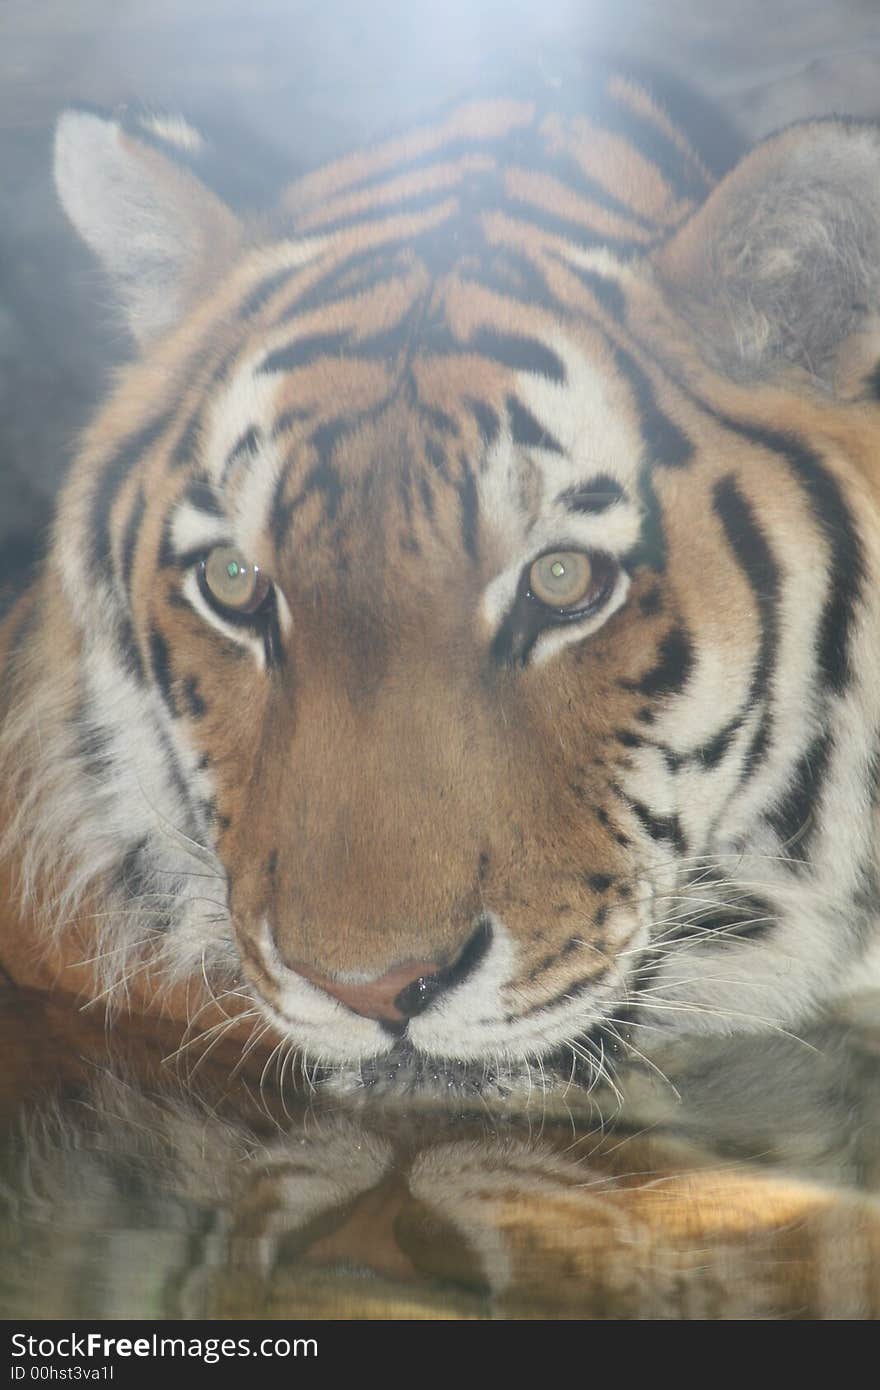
x=323, y=478
x=528, y=431
x=247, y=443
x=160, y=664
x=130, y=538
x=716, y=142
x=272, y=648
x=392, y=343
x=522, y=146
x=509, y=273
x=606, y=291
x=659, y=827
x=93, y=742
x=427, y=495
x=129, y=651
x=594, y=496
x=193, y=827
x=650, y=141
x=793, y=816
x=408, y=206
x=748, y=917
x=486, y=418
x=530, y=152
x=168, y=555
x=872, y=381
x=200, y=493
x=264, y=291
x=520, y=353
x=570, y=229
x=573, y=990
x=651, y=601
x=381, y=266
x=439, y=419
x=288, y=418
x=847, y=560
x=713, y=750
x=523, y=149
x=403, y=486
x=707, y=755
x=133, y=877
x=184, y=450
x=671, y=672
x=437, y=458
x=666, y=443
x=194, y=701
x=750, y=547
x=467, y=495
x=303, y=351
x=281, y=511
x=113, y=475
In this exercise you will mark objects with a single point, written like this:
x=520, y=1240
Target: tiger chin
x=456, y=652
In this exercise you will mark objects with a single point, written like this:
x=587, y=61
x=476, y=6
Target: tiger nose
x=393, y=998
x=407, y=990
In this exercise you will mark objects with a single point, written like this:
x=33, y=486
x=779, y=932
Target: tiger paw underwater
x=457, y=641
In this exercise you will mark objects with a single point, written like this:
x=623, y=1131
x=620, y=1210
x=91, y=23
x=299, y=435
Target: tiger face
x=457, y=638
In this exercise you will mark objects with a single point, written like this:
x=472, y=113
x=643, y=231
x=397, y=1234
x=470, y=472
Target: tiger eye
x=561, y=579
x=233, y=581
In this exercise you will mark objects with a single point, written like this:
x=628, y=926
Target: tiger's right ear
x=780, y=267
x=159, y=232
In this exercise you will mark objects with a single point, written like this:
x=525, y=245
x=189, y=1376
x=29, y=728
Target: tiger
x=454, y=660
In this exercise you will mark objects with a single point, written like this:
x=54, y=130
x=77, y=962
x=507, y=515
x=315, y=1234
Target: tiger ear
x=780, y=267
x=158, y=231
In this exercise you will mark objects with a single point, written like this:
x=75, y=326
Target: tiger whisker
x=763, y=1022
x=630, y=1046
x=221, y=1027
x=255, y=1039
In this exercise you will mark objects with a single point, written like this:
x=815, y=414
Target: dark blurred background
x=283, y=85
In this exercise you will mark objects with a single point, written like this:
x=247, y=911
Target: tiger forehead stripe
x=508, y=350
x=478, y=121
x=630, y=96
x=411, y=187
x=601, y=150
x=573, y=203
x=566, y=212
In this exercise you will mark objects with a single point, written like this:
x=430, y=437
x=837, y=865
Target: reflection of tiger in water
x=749, y=1191
x=459, y=632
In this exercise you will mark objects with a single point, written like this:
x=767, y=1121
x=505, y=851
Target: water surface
x=731, y=1179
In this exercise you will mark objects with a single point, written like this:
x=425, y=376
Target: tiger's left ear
x=159, y=232
x=780, y=267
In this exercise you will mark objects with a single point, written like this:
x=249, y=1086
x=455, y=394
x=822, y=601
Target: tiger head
x=458, y=637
